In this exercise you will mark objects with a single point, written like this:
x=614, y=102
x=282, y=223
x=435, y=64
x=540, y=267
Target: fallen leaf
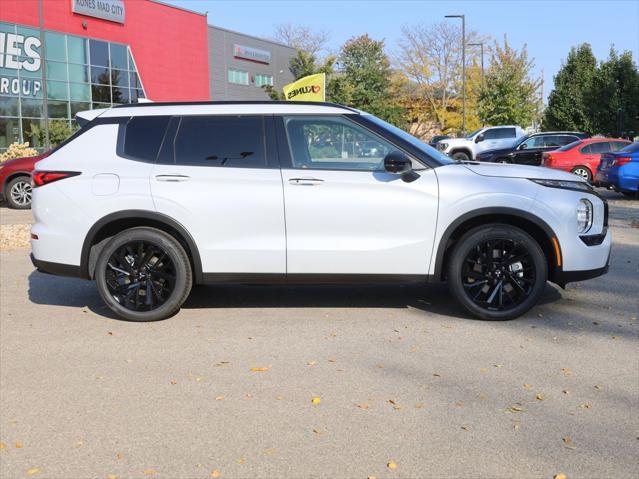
x=585, y=406
x=598, y=388
x=79, y=443
x=568, y=442
x=371, y=477
x=436, y=375
x=112, y=476
x=331, y=360
x=119, y=456
x=18, y=445
x=2, y=445
x=565, y=391
x=110, y=333
x=219, y=398
x=566, y=371
x=540, y=397
x=561, y=475
x=215, y=473
x=240, y=460
x=499, y=365
x=362, y=406
x=312, y=363
x=259, y=370
x=149, y=472
x=516, y=409
x=174, y=382
x=527, y=386
x=318, y=432
x=419, y=405
x=198, y=378
x=279, y=398
x=392, y=402
x=270, y=451
x=316, y=400
x=33, y=470
x=465, y=428
x=483, y=370
x=391, y=465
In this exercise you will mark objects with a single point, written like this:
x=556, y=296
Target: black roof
x=237, y=102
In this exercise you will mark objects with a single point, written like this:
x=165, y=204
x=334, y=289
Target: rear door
x=218, y=177
x=344, y=213
x=495, y=138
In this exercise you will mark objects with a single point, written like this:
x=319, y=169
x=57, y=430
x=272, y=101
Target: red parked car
x=582, y=157
x=15, y=181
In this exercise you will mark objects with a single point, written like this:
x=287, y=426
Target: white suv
x=150, y=199
x=483, y=139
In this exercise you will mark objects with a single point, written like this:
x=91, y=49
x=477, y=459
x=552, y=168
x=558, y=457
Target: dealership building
x=61, y=57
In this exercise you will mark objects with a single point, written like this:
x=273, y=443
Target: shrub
x=18, y=150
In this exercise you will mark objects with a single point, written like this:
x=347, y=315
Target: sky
x=548, y=28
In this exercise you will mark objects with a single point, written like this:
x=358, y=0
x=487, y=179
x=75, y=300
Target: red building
x=58, y=57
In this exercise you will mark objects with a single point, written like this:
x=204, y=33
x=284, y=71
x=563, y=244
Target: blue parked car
x=620, y=170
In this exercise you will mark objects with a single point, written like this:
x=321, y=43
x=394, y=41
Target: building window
x=261, y=80
x=238, y=77
x=82, y=73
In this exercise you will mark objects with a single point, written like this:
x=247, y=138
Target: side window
x=586, y=150
x=565, y=139
x=143, y=136
x=490, y=134
x=534, y=142
x=505, y=133
x=554, y=141
x=617, y=145
x=222, y=141
x=334, y=143
x=600, y=147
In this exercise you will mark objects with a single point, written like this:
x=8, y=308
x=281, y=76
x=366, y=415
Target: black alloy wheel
x=143, y=274
x=497, y=271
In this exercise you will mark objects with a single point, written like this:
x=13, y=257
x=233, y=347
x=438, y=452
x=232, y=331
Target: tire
x=460, y=156
x=583, y=172
x=143, y=274
x=517, y=286
x=18, y=193
x=505, y=161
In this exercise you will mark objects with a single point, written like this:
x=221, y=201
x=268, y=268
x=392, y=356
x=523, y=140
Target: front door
x=215, y=175
x=344, y=213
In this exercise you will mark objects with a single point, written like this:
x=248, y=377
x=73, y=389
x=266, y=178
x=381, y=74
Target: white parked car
x=149, y=199
x=483, y=139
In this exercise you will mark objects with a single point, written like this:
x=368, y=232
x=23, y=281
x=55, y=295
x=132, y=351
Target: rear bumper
x=57, y=269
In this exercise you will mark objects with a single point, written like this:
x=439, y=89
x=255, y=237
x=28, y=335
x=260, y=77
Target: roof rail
x=237, y=102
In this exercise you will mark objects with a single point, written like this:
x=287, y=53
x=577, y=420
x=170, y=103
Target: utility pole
x=463, y=19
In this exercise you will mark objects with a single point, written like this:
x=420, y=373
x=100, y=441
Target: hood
x=456, y=141
x=520, y=171
x=27, y=161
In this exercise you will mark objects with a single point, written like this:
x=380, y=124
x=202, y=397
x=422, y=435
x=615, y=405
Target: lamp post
x=481, y=46
x=463, y=19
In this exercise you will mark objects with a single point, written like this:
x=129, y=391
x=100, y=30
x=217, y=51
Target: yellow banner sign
x=310, y=88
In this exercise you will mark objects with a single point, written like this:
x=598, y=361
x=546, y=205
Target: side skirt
x=299, y=278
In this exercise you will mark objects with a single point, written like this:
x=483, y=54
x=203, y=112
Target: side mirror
x=397, y=162
x=479, y=138
x=523, y=146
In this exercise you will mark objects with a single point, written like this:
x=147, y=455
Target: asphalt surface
x=403, y=377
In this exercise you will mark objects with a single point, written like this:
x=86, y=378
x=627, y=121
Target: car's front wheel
x=143, y=274
x=497, y=272
x=461, y=156
x=18, y=193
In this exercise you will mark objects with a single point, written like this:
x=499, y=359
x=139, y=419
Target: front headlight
x=584, y=216
x=567, y=185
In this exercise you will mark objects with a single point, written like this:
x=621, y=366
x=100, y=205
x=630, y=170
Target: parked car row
x=608, y=162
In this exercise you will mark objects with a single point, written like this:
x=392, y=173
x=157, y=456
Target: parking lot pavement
x=14, y=217
x=403, y=376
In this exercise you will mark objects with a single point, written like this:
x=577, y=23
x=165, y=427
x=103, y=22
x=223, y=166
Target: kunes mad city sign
x=18, y=52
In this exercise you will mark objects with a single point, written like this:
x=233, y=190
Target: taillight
x=41, y=178
x=621, y=160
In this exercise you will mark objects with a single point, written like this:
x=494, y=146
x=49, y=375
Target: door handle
x=305, y=181
x=172, y=178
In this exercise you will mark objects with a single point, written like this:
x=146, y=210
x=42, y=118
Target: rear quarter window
x=141, y=137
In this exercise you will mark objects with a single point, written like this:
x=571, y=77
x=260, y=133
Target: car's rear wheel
x=497, y=272
x=143, y=274
x=583, y=172
x=18, y=193
x=505, y=161
x=461, y=156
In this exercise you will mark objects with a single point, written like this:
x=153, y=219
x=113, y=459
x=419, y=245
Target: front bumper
x=562, y=278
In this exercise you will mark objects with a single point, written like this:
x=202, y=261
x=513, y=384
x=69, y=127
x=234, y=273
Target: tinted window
x=534, y=142
x=500, y=133
x=143, y=136
x=334, y=143
x=618, y=145
x=586, y=150
x=600, y=147
x=221, y=141
x=631, y=148
x=561, y=140
x=570, y=146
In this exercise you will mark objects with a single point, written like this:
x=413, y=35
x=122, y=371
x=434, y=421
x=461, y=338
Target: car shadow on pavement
x=436, y=299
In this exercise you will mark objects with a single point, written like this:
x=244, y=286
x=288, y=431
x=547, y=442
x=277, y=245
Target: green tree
x=508, y=95
x=614, y=96
x=59, y=131
x=366, y=78
x=568, y=103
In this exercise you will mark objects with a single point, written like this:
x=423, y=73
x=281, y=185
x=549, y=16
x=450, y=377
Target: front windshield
x=470, y=137
x=429, y=150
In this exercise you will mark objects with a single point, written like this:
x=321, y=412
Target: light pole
x=463, y=19
x=481, y=46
